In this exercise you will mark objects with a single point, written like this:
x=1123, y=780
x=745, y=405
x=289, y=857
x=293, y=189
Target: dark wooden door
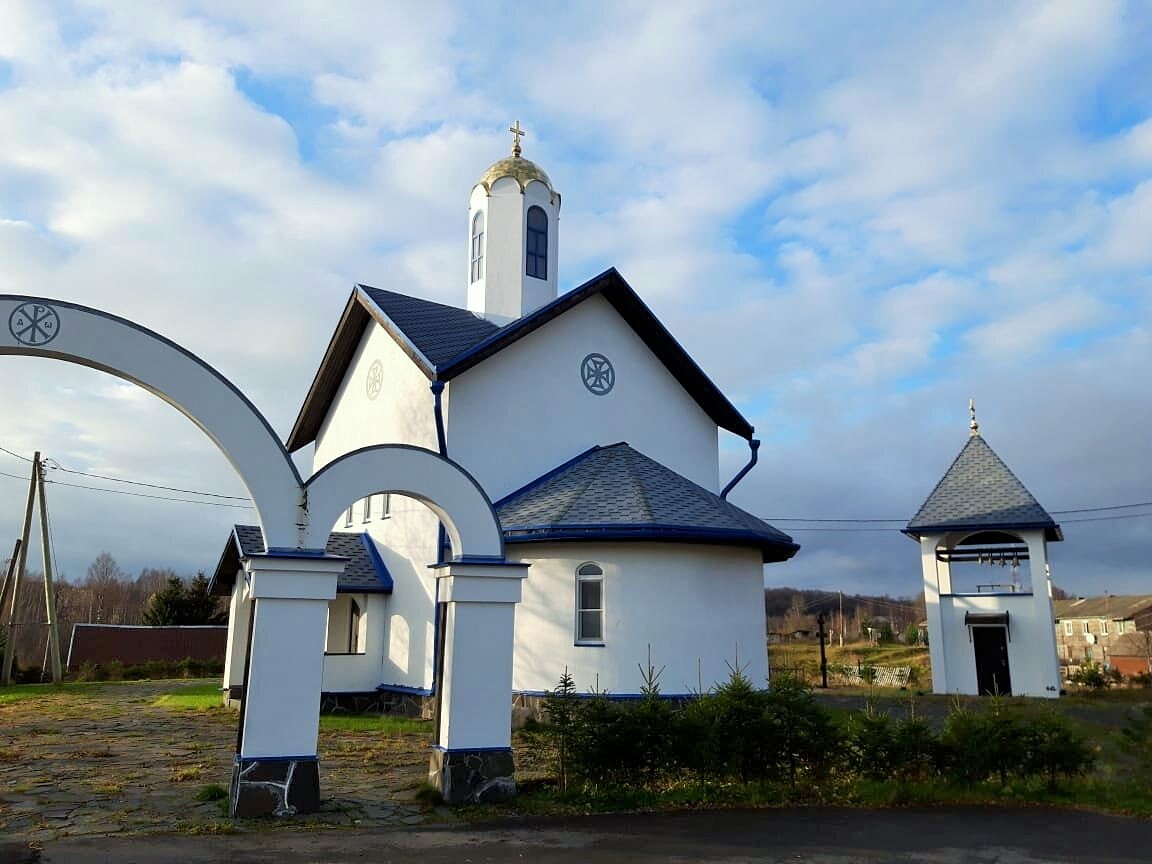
x=991, y=647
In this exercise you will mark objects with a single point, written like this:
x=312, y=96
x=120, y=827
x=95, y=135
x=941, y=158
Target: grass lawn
x=207, y=697
x=22, y=692
x=198, y=697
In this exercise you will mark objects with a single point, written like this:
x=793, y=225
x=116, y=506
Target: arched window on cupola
x=536, y=247
x=477, y=269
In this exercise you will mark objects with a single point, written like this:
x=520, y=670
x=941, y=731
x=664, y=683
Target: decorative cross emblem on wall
x=598, y=375
x=34, y=324
x=517, y=133
x=375, y=379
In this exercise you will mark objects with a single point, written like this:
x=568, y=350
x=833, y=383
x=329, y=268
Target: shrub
x=802, y=736
x=976, y=745
x=735, y=732
x=1095, y=677
x=560, y=706
x=1053, y=746
x=869, y=744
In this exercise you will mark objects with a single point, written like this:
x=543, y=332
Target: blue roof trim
x=477, y=561
x=287, y=552
x=402, y=688
x=378, y=563
x=638, y=533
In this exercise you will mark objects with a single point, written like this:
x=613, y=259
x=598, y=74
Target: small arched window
x=589, y=604
x=477, y=269
x=536, y=246
x=354, y=628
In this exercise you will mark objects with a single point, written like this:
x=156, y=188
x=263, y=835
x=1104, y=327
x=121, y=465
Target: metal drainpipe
x=754, y=446
x=437, y=388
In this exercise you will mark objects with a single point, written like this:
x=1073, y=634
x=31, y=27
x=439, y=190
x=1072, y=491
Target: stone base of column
x=473, y=776
x=275, y=786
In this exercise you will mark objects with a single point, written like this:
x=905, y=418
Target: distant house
x=132, y=645
x=1104, y=630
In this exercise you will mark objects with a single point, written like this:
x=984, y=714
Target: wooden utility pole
x=10, y=642
x=11, y=568
x=49, y=590
x=823, y=656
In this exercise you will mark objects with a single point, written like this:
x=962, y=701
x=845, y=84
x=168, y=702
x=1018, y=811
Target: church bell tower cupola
x=513, y=227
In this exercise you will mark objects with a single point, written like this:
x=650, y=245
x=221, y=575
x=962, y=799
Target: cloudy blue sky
x=855, y=215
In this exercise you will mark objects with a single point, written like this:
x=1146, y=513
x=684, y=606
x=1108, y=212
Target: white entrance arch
x=38, y=327
x=290, y=585
x=418, y=473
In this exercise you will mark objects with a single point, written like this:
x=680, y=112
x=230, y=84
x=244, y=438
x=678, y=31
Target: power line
x=17, y=455
x=146, y=495
x=57, y=466
x=151, y=485
x=905, y=519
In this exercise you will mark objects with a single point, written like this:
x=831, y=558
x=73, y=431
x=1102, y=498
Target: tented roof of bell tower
x=980, y=492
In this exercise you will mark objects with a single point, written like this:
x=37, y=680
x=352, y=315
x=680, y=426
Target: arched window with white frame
x=476, y=271
x=536, y=244
x=589, y=604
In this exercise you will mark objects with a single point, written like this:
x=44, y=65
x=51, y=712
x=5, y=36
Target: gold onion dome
x=522, y=170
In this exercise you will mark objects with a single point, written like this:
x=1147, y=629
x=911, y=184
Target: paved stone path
x=115, y=763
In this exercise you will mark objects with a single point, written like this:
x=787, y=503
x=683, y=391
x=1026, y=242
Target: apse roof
x=444, y=341
x=618, y=493
x=977, y=492
x=365, y=571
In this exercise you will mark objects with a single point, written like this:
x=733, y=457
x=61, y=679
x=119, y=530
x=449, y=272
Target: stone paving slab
x=107, y=761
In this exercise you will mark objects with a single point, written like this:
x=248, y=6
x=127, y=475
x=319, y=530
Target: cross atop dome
x=517, y=133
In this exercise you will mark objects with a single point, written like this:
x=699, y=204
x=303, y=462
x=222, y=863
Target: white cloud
x=856, y=216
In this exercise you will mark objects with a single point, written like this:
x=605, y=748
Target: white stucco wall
x=355, y=673
x=690, y=603
x=1033, y=666
x=406, y=542
x=401, y=629
x=525, y=410
x=400, y=414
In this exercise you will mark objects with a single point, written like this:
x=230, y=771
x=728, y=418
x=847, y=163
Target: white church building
x=594, y=434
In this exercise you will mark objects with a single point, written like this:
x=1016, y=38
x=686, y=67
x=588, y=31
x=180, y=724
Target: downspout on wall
x=754, y=446
x=438, y=625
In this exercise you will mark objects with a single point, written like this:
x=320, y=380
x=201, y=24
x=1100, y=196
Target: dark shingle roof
x=980, y=491
x=444, y=341
x=617, y=493
x=1113, y=607
x=364, y=572
x=437, y=331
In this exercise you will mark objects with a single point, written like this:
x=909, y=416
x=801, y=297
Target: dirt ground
x=105, y=760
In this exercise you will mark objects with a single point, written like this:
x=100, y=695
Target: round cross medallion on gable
x=597, y=374
x=34, y=324
x=375, y=380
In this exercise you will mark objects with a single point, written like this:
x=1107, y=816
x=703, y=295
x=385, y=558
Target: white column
x=937, y=581
x=472, y=758
x=239, y=610
x=276, y=769
x=1044, y=647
